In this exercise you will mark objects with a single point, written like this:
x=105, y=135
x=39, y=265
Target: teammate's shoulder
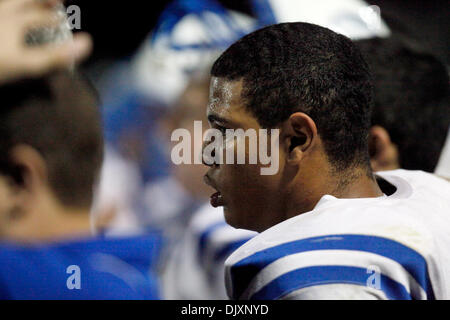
x=206, y=216
x=281, y=269
x=348, y=235
x=107, y=268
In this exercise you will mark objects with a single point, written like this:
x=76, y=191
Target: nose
x=207, y=159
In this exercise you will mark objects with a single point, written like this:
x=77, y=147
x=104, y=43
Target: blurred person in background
x=138, y=94
x=172, y=200
x=411, y=113
x=188, y=227
x=52, y=149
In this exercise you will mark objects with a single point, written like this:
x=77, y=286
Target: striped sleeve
x=217, y=241
x=368, y=265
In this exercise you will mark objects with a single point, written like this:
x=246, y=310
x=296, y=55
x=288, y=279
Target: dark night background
x=119, y=27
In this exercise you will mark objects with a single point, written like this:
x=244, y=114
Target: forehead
x=224, y=92
x=225, y=100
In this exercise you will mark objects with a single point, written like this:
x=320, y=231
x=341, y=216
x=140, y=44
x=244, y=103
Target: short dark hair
x=292, y=67
x=58, y=115
x=411, y=99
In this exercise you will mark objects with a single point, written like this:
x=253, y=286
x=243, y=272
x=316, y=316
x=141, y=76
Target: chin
x=232, y=219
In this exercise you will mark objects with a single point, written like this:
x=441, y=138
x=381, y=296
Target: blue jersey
x=90, y=269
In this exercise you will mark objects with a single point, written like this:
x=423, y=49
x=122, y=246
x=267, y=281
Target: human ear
x=31, y=169
x=383, y=153
x=302, y=134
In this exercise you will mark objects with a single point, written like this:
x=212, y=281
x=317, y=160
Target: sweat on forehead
x=224, y=92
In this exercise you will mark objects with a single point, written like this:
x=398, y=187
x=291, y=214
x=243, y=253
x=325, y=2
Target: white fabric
x=443, y=166
x=190, y=274
x=352, y=18
x=119, y=185
x=417, y=216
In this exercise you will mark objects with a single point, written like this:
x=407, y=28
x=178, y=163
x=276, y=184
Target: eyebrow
x=216, y=118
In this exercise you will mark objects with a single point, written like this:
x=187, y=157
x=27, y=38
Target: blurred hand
x=17, y=59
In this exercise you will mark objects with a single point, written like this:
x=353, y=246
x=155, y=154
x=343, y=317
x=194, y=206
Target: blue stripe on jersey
x=264, y=12
x=229, y=248
x=323, y=275
x=211, y=45
x=179, y=9
x=245, y=270
x=205, y=236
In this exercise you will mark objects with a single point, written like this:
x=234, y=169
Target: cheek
x=247, y=197
x=242, y=185
x=246, y=181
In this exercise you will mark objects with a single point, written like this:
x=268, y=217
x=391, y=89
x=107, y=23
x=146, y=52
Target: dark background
x=119, y=27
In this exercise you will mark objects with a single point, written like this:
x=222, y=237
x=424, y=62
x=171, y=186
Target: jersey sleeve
x=336, y=292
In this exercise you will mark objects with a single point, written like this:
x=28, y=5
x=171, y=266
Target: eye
x=221, y=129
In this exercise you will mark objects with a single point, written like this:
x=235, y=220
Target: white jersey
x=391, y=247
x=443, y=166
x=195, y=269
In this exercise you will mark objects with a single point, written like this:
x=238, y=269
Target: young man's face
x=250, y=200
x=189, y=108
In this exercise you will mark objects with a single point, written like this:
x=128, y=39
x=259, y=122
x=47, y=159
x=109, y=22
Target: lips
x=216, y=199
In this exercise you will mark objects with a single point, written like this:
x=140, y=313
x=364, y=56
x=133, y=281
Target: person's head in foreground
x=50, y=152
x=314, y=86
x=411, y=113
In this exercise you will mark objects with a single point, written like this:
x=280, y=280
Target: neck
x=357, y=184
x=71, y=223
x=360, y=185
x=60, y=225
